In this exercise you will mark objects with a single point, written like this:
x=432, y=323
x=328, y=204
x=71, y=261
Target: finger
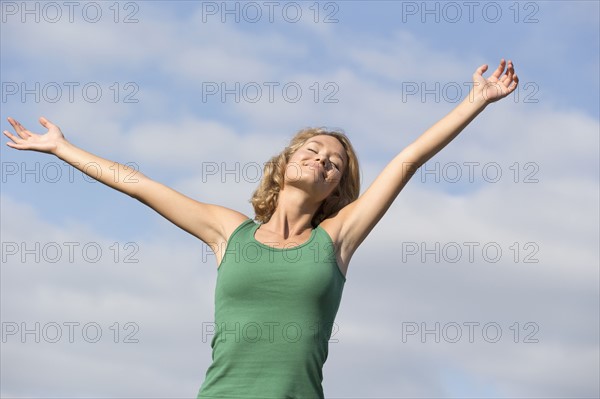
x=19, y=129
x=16, y=146
x=511, y=85
x=510, y=70
x=45, y=122
x=16, y=140
x=498, y=72
x=514, y=83
x=13, y=123
x=507, y=78
x=11, y=144
x=11, y=136
x=478, y=75
x=481, y=69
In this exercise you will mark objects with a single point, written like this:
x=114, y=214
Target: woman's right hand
x=27, y=140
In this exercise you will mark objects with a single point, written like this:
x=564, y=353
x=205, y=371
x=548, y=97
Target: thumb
x=45, y=122
x=481, y=69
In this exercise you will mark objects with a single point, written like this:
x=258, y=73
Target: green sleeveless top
x=274, y=315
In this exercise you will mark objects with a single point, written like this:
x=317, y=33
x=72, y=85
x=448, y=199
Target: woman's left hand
x=496, y=86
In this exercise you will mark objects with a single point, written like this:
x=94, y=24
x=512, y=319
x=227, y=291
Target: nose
x=324, y=163
x=322, y=160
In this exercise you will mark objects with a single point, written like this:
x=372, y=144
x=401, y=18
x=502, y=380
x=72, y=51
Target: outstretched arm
x=355, y=221
x=210, y=223
x=484, y=92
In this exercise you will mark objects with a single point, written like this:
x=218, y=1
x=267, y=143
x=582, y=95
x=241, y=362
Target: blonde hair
x=265, y=198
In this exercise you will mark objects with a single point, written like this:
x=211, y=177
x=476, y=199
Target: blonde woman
x=280, y=281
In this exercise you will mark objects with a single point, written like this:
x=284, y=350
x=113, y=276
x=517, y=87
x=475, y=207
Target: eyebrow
x=320, y=143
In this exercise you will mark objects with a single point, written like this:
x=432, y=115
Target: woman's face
x=317, y=166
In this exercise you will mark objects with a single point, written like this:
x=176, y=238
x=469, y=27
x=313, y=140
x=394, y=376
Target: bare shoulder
x=334, y=228
x=229, y=220
x=336, y=225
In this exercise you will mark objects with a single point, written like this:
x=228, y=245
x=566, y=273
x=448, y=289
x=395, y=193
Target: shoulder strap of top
x=242, y=230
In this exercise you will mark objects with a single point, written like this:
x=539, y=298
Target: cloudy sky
x=482, y=280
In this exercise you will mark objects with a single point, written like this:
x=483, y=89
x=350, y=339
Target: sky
x=482, y=279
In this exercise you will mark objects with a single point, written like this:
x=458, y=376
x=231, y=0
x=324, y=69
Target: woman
x=280, y=281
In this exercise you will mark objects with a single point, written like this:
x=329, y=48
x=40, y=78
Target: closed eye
x=316, y=152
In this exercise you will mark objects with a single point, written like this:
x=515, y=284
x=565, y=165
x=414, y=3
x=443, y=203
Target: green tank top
x=274, y=315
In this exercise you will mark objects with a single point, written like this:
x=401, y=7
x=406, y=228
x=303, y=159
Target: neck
x=294, y=213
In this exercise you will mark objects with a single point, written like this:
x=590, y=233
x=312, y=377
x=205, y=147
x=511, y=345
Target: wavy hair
x=265, y=198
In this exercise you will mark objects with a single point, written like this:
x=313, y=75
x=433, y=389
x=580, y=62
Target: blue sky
x=384, y=71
